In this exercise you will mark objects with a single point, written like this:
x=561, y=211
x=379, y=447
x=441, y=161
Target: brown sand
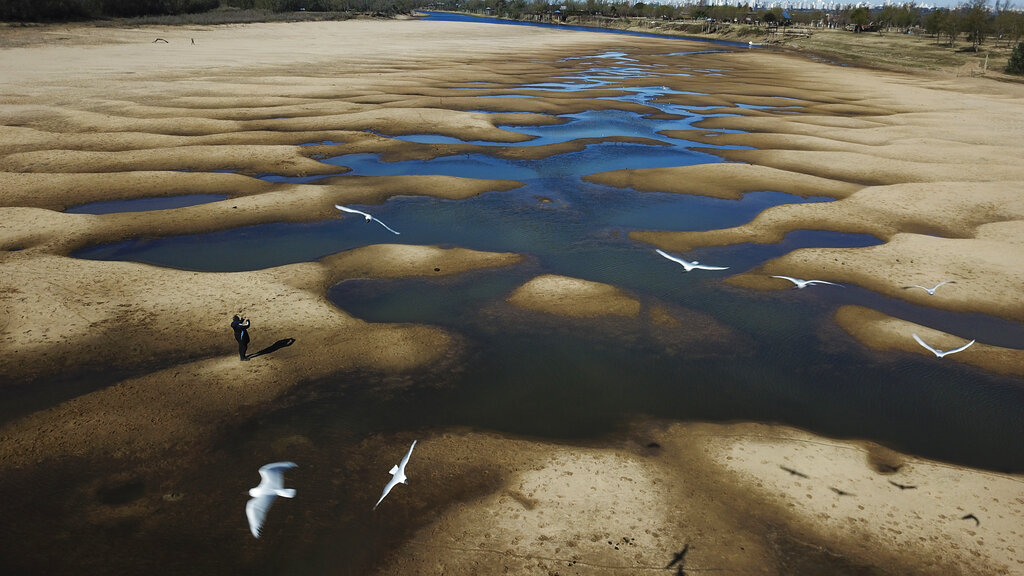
x=930, y=167
x=574, y=297
x=850, y=495
x=729, y=181
x=96, y=114
x=581, y=510
x=883, y=332
x=741, y=498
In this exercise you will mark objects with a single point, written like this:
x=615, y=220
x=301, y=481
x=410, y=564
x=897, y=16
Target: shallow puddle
x=145, y=204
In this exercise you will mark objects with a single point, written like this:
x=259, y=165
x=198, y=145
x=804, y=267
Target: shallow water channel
x=777, y=357
x=734, y=355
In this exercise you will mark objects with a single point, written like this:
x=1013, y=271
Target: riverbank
x=113, y=472
x=892, y=51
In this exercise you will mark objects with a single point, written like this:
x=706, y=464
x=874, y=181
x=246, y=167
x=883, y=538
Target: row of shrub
x=1016, y=63
x=48, y=10
x=387, y=6
x=58, y=10
x=974, y=20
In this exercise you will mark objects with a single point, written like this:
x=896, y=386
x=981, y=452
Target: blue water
x=734, y=355
x=784, y=360
x=514, y=221
x=145, y=204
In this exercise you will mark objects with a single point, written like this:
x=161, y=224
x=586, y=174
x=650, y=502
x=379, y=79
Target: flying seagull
x=931, y=290
x=397, y=475
x=940, y=353
x=801, y=284
x=271, y=486
x=687, y=265
x=365, y=215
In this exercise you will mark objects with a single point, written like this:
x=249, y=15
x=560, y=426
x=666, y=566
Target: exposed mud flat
x=106, y=114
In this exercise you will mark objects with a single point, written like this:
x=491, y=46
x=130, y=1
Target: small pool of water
x=538, y=219
x=145, y=204
x=594, y=158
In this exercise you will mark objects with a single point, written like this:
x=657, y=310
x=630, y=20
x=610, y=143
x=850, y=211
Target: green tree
x=907, y=16
x=974, y=20
x=1016, y=63
x=886, y=16
x=515, y=8
x=935, y=21
x=860, y=16
x=664, y=12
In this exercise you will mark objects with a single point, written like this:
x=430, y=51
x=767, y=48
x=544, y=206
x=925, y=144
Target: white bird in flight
x=801, y=284
x=365, y=215
x=687, y=265
x=271, y=486
x=931, y=290
x=397, y=475
x=940, y=353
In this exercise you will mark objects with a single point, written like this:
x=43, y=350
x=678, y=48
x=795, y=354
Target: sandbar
x=573, y=297
x=91, y=114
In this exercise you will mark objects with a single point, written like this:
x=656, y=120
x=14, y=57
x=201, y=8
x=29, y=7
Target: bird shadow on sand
x=283, y=343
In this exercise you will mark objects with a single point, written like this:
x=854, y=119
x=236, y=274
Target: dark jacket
x=241, y=330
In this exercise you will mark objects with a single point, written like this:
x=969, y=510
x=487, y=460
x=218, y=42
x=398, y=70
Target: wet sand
x=573, y=297
x=101, y=114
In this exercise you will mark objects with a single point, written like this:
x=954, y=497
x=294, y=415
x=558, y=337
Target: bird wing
x=387, y=488
x=351, y=210
x=671, y=257
x=256, y=511
x=934, y=288
x=706, y=267
x=273, y=474
x=823, y=282
x=796, y=281
x=405, y=459
x=386, y=226
x=923, y=343
x=960, y=349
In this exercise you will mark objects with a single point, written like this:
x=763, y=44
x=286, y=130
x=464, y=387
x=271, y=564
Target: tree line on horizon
x=973, y=19
x=67, y=10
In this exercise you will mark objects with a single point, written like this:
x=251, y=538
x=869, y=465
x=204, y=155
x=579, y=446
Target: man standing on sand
x=241, y=328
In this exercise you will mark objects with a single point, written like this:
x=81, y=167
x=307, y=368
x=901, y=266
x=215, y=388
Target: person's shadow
x=274, y=347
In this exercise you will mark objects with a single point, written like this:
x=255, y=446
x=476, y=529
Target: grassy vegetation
x=901, y=51
x=909, y=45
x=888, y=51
